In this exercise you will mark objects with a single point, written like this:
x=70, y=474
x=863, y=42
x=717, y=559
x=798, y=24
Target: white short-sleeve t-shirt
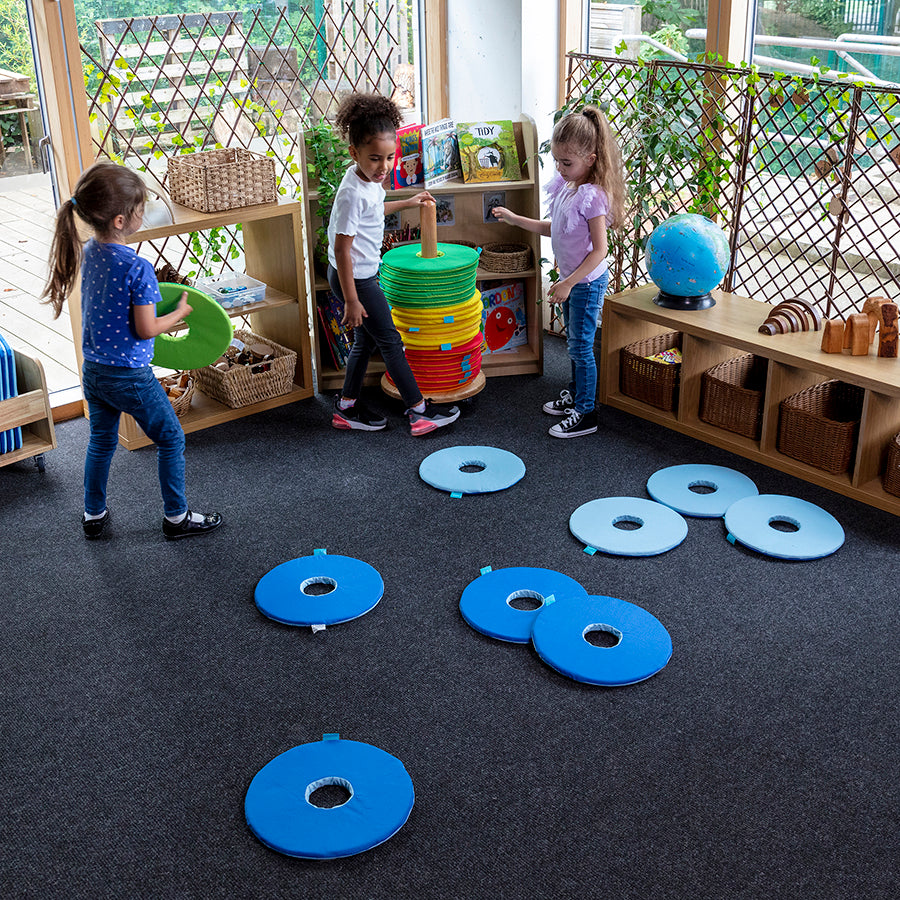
x=358, y=210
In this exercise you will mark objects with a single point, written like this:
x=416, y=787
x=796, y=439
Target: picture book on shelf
x=338, y=340
x=504, y=317
x=408, y=169
x=487, y=151
x=440, y=152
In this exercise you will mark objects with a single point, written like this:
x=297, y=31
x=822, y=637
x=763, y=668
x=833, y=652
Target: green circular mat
x=452, y=257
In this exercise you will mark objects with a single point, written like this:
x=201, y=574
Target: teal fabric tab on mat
x=331, y=736
x=456, y=494
x=446, y=346
x=321, y=551
x=730, y=538
x=448, y=319
x=590, y=550
x=485, y=570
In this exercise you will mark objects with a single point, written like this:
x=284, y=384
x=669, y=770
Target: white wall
x=502, y=60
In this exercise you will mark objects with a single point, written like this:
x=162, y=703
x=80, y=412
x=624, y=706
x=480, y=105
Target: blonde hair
x=588, y=132
x=103, y=192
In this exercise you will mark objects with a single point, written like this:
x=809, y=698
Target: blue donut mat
x=500, y=469
x=485, y=602
x=751, y=520
x=659, y=528
x=280, y=593
x=280, y=814
x=559, y=637
x=672, y=487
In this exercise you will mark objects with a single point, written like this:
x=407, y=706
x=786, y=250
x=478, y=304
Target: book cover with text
x=440, y=152
x=408, y=168
x=487, y=151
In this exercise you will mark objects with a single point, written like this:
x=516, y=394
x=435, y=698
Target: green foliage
x=15, y=56
x=327, y=160
x=671, y=12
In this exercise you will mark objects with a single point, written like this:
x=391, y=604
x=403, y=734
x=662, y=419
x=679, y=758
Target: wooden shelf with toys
x=791, y=361
x=467, y=207
x=273, y=252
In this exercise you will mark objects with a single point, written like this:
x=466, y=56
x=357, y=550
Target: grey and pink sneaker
x=435, y=415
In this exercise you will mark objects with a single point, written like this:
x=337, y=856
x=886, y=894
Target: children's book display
x=408, y=170
x=487, y=151
x=337, y=338
x=505, y=327
x=440, y=153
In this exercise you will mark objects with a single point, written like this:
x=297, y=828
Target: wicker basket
x=221, y=179
x=505, y=257
x=647, y=380
x=819, y=425
x=891, y=480
x=241, y=385
x=183, y=403
x=731, y=395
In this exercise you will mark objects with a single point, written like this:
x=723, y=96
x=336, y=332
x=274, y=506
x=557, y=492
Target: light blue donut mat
x=786, y=527
x=672, y=487
x=486, y=602
x=496, y=470
x=639, y=644
x=280, y=812
x=291, y=592
x=627, y=526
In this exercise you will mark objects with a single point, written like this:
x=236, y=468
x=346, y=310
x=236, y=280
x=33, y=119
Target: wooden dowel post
x=429, y=229
x=887, y=344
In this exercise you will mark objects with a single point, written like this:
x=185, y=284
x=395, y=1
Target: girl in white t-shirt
x=355, y=236
x=586, y=197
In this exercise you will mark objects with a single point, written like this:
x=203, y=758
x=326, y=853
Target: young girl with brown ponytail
x=586, y=197
x=119, y=293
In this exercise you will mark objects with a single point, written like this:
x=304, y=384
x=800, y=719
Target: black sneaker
x=436, y=415
x=93, y=528
x=561, y=407
x=187, y=527
x=358, y=417
x=575, y=424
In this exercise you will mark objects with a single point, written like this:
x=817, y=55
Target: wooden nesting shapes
x=833, y=336
x=791, y=316
x=856, y=334
x=887, y=341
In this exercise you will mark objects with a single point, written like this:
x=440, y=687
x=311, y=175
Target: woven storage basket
x=647, y=380
x=819, y=425
x=241, y=385
x=183, y=403
x=221, y=179
x=891, y=480
x=731, y=395
x=505, y=257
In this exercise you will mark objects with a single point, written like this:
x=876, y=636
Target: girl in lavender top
x=586, y=197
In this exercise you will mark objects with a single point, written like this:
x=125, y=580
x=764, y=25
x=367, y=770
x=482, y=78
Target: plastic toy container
x=232, y=289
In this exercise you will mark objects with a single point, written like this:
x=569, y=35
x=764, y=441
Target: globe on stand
x=687, y=256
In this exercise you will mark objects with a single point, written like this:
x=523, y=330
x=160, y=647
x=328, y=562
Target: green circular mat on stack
x=412, y=281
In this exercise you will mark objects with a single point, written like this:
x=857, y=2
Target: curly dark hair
x=360, y=116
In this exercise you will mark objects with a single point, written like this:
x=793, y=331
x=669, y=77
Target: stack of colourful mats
x=438, y=311
x=11, y=439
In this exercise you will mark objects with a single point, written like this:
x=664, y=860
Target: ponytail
x=65, y=258
x=103, y=192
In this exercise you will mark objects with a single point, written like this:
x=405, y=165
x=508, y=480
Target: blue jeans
x=377, y=332
x=110, y=391
x=580, y=311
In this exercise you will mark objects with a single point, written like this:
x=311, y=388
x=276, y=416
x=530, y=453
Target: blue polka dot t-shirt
x=113, y=279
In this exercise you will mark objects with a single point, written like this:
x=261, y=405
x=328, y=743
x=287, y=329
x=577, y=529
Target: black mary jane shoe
x=93, y=528
x=189, y=528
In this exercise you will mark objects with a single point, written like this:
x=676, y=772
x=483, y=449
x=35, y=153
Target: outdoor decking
x=26, y=227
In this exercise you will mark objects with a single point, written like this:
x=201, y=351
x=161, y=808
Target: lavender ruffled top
x=570, y=233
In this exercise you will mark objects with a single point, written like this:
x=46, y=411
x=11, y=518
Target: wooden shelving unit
x=30, y=411
x=795, y=361
x=273, y=252
x=522, y=197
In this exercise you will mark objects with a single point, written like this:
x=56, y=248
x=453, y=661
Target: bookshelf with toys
x=273, y=255
x=791, y=365
x=464, y=216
